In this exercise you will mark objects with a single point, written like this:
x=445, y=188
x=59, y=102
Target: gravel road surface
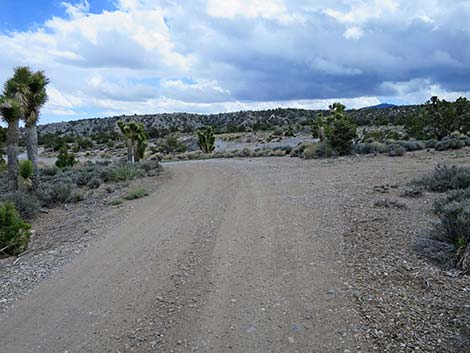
x=226, y=256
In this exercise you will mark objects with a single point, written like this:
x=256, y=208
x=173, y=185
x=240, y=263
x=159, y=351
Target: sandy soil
x=230, y=256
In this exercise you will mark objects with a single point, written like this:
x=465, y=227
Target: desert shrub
x=49, y=171
x=396, y=150
x=454, y=224
x=77, y=196
x=56, y=193
x=246, y=152
x=341, y=135
x=136, y=194
x=431, y=143
x=115, y=202
x=445, y=178
x=26, y=169
x=14, y=232
x=274, y=153
x=413, y=145
x=309, y=152
x=448, y=144
x=298, y=151
x=84, y=177
x=149, y=165
x=324, y=150
x=370, y=148
x=452, y=196
x=412, y=191
x=170, y=144
x=383, y=135
x=287, y=149
x=25, y=203
x=388, y=203
x=118, y=173
x=94, y=183
x=449, y=238
x=65, y=159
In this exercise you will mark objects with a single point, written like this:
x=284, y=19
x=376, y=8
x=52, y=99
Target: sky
x=113, y=57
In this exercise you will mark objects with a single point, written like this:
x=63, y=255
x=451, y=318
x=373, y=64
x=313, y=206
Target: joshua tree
x=36, y=99
x=29, y=88
x=10, y=110
x=136, y=139
x=206, y=139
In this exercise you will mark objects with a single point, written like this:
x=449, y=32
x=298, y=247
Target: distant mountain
x=381, y=106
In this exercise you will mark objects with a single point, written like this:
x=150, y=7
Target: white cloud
x=418, y=91
x=148, y=56
x=363, y=11
x=353, y=32
x=269, y=9
x=78, y=9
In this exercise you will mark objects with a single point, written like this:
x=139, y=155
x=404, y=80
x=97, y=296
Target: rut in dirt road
x=239, y=256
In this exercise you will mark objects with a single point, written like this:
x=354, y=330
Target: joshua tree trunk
x=32, y=149
x=130, y=153
x=464, y=262
x=321, y=133
x=13, y=136
x=135, y=147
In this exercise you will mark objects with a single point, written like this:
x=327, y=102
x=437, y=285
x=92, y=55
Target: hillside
x=227, y=121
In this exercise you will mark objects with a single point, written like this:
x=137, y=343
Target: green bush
x=26, y=169
x=25, y=203
x=136, y=194
x=65, y=159
x=116, y=202
x=14, y=232
x=170, y=144
x=341, y=135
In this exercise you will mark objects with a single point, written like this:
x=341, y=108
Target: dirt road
x=226, y=256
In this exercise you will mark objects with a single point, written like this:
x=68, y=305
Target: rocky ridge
x=248, y=119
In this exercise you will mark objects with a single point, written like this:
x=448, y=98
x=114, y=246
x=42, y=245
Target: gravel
x=265, y=255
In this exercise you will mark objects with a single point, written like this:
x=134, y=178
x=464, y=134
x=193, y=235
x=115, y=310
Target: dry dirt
x=262, y=255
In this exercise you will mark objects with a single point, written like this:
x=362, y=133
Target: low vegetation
x=206, y=139
x=449, y=240
x=14, y=232
x=133, y=194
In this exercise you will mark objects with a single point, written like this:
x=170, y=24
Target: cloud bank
x=147, y=56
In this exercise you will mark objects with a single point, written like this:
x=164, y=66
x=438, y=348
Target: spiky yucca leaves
x=10, y=110
x=29, y=89
x=136, y=138
x=206, y=139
